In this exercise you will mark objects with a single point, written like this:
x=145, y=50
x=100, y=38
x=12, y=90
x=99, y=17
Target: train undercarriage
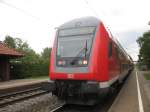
x=79, y=92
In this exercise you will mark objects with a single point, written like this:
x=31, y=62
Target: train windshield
x=76, y=31
x=75, y=42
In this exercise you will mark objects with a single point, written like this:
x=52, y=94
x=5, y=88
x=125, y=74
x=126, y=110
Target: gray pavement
x=127, y=100
x=145, y=90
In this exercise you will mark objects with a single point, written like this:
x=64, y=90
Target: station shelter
x=6, y=54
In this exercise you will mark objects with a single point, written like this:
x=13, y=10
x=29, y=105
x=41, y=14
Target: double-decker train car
x=86, y=61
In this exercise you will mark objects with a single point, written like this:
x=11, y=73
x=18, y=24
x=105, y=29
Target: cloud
x=128, y=41
x=127, y=19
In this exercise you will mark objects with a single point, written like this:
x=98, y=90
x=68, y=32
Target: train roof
x=115, y=40
x=121, y=48
x=81, y=22
x=90, y=21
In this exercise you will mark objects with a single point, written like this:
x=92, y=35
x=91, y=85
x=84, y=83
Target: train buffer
x=134, y=95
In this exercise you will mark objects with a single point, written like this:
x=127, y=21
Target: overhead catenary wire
x=24, y=12
x=38, y=19
x=91, y=8
x=19, y=9
x=123, y=44
x=126, y=48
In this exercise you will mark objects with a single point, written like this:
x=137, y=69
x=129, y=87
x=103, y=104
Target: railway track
x=15, y=97
x=74, y=108
x=102, y=106
x=59, y=108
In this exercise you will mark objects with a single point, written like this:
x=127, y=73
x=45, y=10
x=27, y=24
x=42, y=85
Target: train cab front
x=71, y=60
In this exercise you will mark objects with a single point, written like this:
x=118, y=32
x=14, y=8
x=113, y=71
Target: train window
x=117, y=53
x=76, y=31
x=75, y=42
x=74, y=46
x=110, y=49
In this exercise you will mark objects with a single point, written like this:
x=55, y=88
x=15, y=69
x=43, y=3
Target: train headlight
x=85, y=62
x=82, y=62
x=60, y=62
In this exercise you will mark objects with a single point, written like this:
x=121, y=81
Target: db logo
x=70, y=76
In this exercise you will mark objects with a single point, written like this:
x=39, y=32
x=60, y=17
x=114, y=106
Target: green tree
x=46, y=53
x=144, y=44
x=10, y=42
x=22, y=46
x=30, y=55
x=31, y=64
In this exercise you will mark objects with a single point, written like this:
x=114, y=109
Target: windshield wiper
x=83, y=49
x=86, y=48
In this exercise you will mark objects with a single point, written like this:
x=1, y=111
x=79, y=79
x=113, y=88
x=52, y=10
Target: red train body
x=86, y=60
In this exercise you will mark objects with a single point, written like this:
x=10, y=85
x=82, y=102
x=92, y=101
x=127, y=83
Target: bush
x=24, y=70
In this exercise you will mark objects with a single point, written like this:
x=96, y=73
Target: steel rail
x=20, y=96
x=58, y=108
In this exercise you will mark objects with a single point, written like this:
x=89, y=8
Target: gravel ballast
x=42, y=103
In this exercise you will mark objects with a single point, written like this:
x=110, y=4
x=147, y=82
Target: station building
x=6, y=54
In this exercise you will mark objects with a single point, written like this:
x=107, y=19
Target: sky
x=35, y=21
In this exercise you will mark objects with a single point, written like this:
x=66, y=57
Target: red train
x=86, y=61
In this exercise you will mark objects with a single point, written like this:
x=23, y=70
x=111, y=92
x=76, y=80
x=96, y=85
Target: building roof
x=6, y=51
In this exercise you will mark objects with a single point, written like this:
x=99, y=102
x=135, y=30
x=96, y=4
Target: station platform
x=132, y=99
x=20, y=84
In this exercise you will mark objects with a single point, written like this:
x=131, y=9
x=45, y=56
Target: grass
x=147, y=75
